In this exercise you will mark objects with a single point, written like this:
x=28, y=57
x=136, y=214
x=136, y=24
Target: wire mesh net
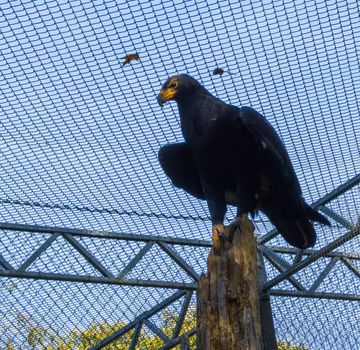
x=80, y=133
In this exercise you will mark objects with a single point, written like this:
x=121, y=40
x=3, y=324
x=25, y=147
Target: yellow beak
x=165, y=95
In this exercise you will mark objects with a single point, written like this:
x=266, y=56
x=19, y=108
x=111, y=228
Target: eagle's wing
x=271, y=151
x=178, y=164
x=280, y=192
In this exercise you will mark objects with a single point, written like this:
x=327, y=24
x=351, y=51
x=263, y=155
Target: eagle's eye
x=173, y=85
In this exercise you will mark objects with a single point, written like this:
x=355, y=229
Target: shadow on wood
x=228, y=310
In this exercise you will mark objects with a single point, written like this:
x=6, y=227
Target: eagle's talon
x=222, y=235
x=219, y=235
x=236, y=225
x=226, y=236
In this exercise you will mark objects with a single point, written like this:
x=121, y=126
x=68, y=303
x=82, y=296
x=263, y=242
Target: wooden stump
x=228, y=310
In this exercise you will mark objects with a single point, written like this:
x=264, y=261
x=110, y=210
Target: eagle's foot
x=221, y=239
x=240, y=221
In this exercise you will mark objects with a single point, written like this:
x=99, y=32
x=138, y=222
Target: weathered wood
x=228, y=311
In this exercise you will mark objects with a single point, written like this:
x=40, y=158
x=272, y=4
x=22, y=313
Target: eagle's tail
x=313, y=215
x=300, y=233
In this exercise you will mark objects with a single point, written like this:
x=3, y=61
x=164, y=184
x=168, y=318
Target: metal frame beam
x=156, y=330
x=281, y=265
x=135, y=260
x=286, y=271
x=106, y=276
x=135, y=336
x=182, y=314
x=98, y=279
x=90, y=258
x=312, y=258
x=335, y=216
x=314, y=295
x=104, y=234
x=6, y=265
x=323, y=274
x=38, y=252
x=176, y=341
x=354, y=269
x=267, y=322
x=309, y=252
x=179, y=260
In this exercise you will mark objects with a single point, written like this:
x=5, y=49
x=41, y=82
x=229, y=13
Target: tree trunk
x=228, y=310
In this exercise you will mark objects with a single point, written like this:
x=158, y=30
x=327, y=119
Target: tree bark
x=228, y=310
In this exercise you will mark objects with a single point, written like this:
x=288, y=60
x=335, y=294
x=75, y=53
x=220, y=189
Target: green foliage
x=42, y=338
x=287, y=346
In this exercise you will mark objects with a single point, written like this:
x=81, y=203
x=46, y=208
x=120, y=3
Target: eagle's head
x=177, y=88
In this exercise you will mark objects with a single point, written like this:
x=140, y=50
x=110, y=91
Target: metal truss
x=106, y=276
x=271, y=254
x=287, y=271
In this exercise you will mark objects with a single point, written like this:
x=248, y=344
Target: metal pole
x=267, y=323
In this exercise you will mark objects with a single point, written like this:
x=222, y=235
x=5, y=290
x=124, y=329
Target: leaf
x=218, y=71
x=11, y=287
x=130, y=57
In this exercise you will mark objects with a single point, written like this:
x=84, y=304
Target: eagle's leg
x=235, y=225
x=246, y=201
x=217, y=208
x=219, y=232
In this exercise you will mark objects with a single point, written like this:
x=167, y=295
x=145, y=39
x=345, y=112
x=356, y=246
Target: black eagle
x=233, y=156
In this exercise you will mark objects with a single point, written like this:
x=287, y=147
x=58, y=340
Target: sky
x=80, y=131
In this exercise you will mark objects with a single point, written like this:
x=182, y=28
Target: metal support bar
x=281, y=265
x=308, y=252
x=351, y=267
x=298, y=256
x=5, y=264
x=135, y=260
x=10, y=272
x=268, y=236
x=314, y=295
x=173, y=342
x=97, y=279
x=38, y=252
x=182, y=315
x=267, y=322
x=336, y=217
x=141, y=238
x=155, y=329
x=88, y=256
x=323, y=274
x=179, y=260
x=105, y=234
x=135, y=336
x=320, y=253
x=139, y=318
